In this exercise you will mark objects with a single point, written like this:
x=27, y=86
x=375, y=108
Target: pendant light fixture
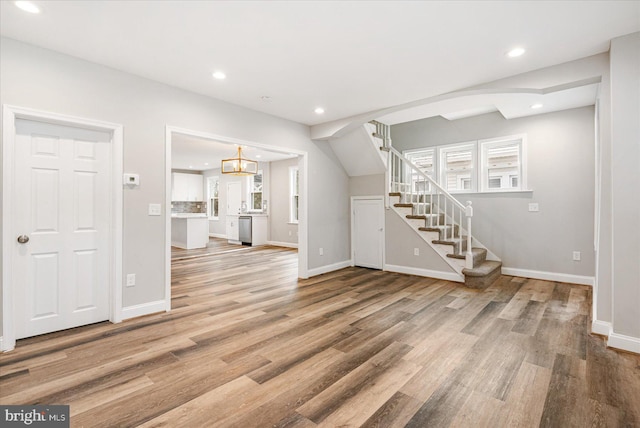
x=239, y=165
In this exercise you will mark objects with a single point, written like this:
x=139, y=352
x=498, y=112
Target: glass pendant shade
x=239, y=165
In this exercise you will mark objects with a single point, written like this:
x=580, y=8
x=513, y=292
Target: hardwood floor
x=248, y=345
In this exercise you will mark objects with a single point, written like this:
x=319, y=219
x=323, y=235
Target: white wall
x=42, y=79
x=560, y=173
x=280, y=229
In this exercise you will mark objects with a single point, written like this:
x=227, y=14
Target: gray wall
x=560, y=173
x=280, y=229
x=625, y=185
x=42, y=79
x=400, y=238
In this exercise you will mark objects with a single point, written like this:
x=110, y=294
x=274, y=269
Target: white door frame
x=384, y=231
x=9, y=116
x=303, y=163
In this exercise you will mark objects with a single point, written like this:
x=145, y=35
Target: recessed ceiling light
x=27, y=6
x=190, y=166
x=206, y=163
x=516, y=52
x=319, y=110
x=536, y=106
x=258, y=156
x=219, y=75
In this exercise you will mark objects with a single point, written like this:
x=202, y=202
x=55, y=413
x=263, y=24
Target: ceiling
x=348, y=57
x=199, y=154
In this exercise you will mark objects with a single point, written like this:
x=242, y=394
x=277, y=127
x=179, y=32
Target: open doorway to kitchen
x=211, y=214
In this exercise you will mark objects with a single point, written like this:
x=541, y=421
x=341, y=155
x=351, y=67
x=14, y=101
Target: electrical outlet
x=131, y=279
x=289, y=233
x=321, y=251
x=533, y=207
x=576, y=256
x=416, y=251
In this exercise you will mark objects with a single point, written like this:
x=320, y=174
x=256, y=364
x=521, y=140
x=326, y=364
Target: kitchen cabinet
x=233, y=232
x=187, y=187
x=189, y=231
x=259, y=227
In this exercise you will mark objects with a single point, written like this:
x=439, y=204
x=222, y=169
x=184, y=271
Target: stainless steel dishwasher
x=244, y=225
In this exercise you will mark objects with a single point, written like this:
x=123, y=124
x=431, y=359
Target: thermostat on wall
x=132, y=179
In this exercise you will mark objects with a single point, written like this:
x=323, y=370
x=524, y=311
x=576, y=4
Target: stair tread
x=395, y=194
x=453, y=242
x=422, y=216
x=403, y=205
x=486, y=268
x=477, y=252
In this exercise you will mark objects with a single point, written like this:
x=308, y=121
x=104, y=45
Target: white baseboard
x=218, y=235
x=602, y=328
x=283, y=244
x=449, y=276
x=144, y=309
x=549, y=276
x=328, y=268
x=626, y=343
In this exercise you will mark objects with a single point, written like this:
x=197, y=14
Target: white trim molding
x=283, y=244
x=615, y=340
x=602, y=328
x=549, y=276
x=449, y=276
x=143, y=309
x=329, y=268
x=217, y=235
x=9, y=115
x=626, y=343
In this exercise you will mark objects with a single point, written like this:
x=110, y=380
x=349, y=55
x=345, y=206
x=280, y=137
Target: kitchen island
x=189, y=230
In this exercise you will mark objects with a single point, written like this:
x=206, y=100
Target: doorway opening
x=207, y=162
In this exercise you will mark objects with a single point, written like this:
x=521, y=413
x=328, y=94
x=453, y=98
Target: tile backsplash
x=188, y=207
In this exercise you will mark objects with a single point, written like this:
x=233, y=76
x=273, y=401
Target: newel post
x=469, y=255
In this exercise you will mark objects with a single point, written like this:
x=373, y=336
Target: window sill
x=295, y=223
x=214, y=218
x=492, y=192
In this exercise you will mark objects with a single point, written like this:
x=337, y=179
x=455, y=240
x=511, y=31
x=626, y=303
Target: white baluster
x=469, y=254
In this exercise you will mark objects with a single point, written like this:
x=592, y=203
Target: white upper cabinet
x=187, y=187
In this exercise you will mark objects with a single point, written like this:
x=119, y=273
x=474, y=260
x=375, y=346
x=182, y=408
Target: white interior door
x=368, y=232
x=234, y=197
x=62, y=206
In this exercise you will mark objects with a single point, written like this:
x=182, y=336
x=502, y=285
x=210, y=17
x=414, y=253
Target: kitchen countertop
x=188, y=215
x=250, y=214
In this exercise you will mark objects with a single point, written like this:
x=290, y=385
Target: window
x=493, y=165
x=255, y=191
x=213, y=185
x=502, y=164
x=424, y=160
x=457, y=167
x=294, y=191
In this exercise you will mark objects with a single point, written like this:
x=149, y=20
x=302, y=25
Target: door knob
x=23, y=239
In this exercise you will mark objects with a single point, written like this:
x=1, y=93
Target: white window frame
x=210, y=212
x=293, y=170
x=251, y=192
x=485, y=145
x=442, y=152
x=434, y=157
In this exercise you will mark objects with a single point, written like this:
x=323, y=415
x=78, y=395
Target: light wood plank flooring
x=248, y=345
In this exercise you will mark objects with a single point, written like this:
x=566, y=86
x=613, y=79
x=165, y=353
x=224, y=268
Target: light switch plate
x=155, y=209
x=533, y=207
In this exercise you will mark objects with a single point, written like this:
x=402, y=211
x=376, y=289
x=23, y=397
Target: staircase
x=437, y=217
